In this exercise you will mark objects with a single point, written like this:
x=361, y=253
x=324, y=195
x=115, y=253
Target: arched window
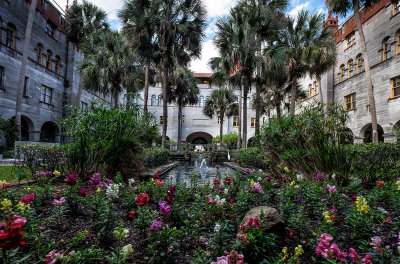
x=350, y=67
x=207, y=98
x=341, y=72
x=58, y=64
x=11, y=33
x=309, y=90
x=398, y=42
x=201, y=101
x=49, y=60
x=315, y=88
x=360, y=63
x=39, y=53
x=387, y=48
x=160, y=100
x=153, y=99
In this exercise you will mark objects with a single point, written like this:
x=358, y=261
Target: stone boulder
x=272, y=221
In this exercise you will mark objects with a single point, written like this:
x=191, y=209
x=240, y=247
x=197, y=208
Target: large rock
x=272, y=222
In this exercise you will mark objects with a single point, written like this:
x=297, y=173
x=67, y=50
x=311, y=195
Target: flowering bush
x=11, y=232
x=142, y=199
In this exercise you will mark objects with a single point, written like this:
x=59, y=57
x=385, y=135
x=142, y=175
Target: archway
x=396, y=131
x=366, y=133
x=49, y=132
x=250, y=142
x=27, y=127
x=199, y=138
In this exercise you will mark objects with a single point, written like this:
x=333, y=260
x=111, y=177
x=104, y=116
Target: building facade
x=346, y=83
x=51, y=82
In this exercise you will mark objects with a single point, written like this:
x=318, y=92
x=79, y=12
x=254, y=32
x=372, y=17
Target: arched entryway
x=27, y=128
x=250, y=142
x=49, y=132
x=366, y=133
x=396, y=131
x=199, y=138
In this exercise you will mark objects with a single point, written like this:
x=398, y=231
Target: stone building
x=346, y=83
x=51, y=82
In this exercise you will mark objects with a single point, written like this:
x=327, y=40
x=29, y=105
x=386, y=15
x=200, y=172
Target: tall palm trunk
x=245, y=92
x=221, y=128
x=179, y=124
x=371, y=97
x=321, y=98
x=24, y=62
x=115, y=95
x=258, y=109
x=165, y=100
x=239, y=141
x=278, y=109
x=146, y=86
x=79, y=93
x=293, y=96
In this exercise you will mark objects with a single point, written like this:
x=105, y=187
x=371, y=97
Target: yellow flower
x=362, y=205
x=174, y=228
x=5, y=204
x=292, y=183
x=56, y=173
x=299, y=250
x=286, y=169
x=98, y=190
x=284, y=250
x=285, y=255
x=3, y=182
x=126, y=251
x=151, y=179
x=22, y=207
x=86, y=233
x=398, y=185
x=327, y=217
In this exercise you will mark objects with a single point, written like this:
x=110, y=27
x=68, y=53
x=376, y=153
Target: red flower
x=216, y=182
x=142, y=199
x=380, y=184
x=227, y=181
x=217, y=167
x=71, y=179
x=131, y=214
x=11, y=233
x=256, y=223
x=156, y=176
x=389, y=221
x=250, y=222
x=159, y=172
x=83, y=192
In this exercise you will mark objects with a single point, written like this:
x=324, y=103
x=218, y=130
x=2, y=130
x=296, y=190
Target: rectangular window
x=264, y=120
x=58, y=65
x=50, y=29
x=396, y=87
x=387, y=50
x=360, y=64
x=26, y=85
x=253, y=123
x=183, y=118
x=46, y=95
x=161, y=120
x=219, y=120
x=350, y=102
x=1, y=77
x=350, y=40
x=10, y=38
x=235, y=121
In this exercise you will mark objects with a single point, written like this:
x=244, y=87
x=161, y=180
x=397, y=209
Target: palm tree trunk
x=179, y=124
x=115, y=95
x=240, y=119
x=79, y=93
x=24, y=62
x=146, y=86
x=245, y=91
x=321, y=98
x=165, y=99
x=278, y=109
x=371, y=97
x=258, y=109
x=221, y=128
x=293, y=96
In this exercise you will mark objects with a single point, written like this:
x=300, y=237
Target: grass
x=8, y=173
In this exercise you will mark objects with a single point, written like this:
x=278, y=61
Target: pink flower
x=248, y=171
x=28, y=199
x=52, y=256
x=331, y=189
x=329, y=251
x=210, y=199
x=59, y=202
x=222, y=260
x=83, y=192
x=367, y=259
x=71, y=179
x=376, y=243
x=354, y=197
x=165, y=208
x=256, y=187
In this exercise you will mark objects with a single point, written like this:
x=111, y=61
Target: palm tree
x=82, y=20
x=179, y=26
x=107, y=64
x=324, y=57
x=138, y=26
x=184, y=92
x=343, y=7
x=222, y=103
x=24, y=61
x=293, y=48
x=235, y=40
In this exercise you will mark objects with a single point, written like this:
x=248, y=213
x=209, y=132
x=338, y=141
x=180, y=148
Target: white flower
x=112, y=191
x=131, y=181
x=121, y=234
x=171, y=177
x=217, y=228
x=299, y=177
x=219, y=201
x=259, y=179
x=226, y=191
x=333, y=176
x=126, y=251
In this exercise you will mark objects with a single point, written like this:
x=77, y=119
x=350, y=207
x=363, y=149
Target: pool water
x=184, y=171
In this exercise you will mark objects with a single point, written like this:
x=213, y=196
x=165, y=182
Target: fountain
x=203, y=164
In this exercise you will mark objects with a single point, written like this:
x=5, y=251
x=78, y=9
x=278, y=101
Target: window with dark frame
x=395, y=87
x=10, y=38
x=50, y=29
x=350, y=102
x=26, y=85
x=46, y=95
x=253, y=123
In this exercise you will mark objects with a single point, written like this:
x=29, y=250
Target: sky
x=215, y=10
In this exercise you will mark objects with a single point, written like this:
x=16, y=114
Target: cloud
x=216, y=8
x=296, y=9
x=208, y=51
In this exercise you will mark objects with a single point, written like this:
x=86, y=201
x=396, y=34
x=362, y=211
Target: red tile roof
x=203, y=75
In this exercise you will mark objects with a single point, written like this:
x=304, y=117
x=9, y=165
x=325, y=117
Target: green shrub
x=250, y=158
x=311, y=141
x=9, y=131
x=374, y=162
x=154, y=156
x=108, y=138
x=228, y=139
